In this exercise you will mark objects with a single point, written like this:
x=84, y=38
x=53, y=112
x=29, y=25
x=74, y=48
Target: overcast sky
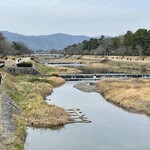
x=77, y=17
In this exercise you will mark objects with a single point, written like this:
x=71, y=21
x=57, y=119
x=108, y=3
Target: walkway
x=7, y=112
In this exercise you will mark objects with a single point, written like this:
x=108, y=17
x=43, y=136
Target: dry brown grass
x=67, y=70
x=31, y=98
x=104, y=66
x=131, y=94
x=66, y=60
x=55, y=81
x=38, y=112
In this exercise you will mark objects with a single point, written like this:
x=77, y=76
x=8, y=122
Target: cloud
x=89, y=17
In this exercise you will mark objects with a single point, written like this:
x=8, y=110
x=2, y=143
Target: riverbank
x=28, y=94
x=12, y=126
x=107, y=64
x=132, y=94
x=119, y=64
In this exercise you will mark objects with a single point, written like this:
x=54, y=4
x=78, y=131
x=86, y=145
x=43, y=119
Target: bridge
x=64, y=63
x=45, y=54
x=78, y=77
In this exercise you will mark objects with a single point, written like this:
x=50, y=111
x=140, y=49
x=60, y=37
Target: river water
x=112, y=128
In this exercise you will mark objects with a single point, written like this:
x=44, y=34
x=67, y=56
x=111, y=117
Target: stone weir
x=79, y=77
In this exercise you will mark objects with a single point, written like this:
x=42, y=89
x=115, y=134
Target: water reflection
x=103, y=70
x=111, y=129
x=52, y=128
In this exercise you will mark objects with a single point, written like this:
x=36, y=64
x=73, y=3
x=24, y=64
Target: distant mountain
x=45, y=42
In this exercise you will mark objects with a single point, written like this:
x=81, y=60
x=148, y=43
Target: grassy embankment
x=46, y=70
x=114, y=64
x=29, y=93
x=132, y=94
x=129, y=66
x=67, y=70
x=111, y=64
x=123, y=67
x=15, y=140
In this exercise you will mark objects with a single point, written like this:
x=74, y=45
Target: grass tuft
x=132, y=94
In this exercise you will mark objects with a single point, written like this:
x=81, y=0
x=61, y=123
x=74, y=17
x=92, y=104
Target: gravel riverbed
x=86, y=87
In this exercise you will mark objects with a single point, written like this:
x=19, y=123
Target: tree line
x=12, y=48
x=134, y=44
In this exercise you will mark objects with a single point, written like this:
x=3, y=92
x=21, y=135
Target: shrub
x=2, y=61
x=25, y=64
x=32, y=58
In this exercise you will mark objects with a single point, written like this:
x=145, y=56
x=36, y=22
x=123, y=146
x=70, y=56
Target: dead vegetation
x=132, y=94
x=30, y=92
x=67, y=70
x=119, y=64
x=55, y=81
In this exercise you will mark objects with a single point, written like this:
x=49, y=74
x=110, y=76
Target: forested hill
x=45, y=42
x=12, y=48
x=137, y=43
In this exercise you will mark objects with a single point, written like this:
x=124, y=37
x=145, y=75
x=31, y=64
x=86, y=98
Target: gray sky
x=77, y=17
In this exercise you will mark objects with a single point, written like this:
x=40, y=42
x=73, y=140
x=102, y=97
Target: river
x=112, y=128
